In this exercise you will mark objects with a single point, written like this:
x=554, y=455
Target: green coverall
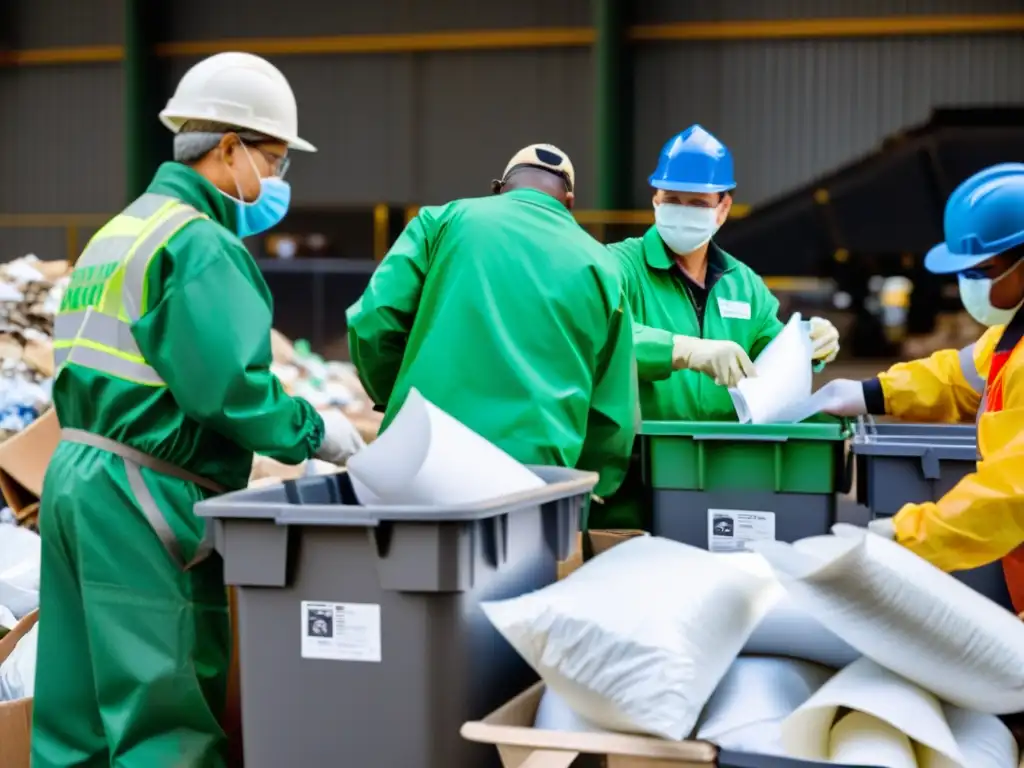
x=738, y=307
x=507, y=315
x=134, y=651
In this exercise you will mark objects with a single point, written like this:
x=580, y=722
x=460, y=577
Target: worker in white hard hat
x=164, y=393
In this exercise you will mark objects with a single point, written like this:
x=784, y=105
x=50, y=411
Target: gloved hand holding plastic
x=781, y=391
x=341, y=438
x=726, y=362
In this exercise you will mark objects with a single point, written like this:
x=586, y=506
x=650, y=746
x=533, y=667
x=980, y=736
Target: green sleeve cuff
x=653, y=352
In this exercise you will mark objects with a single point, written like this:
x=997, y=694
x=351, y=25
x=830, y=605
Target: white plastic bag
x=787, y=630
x=757, y=693
x=18, y=672
x=553, y=714
x=19, y=569
x=427, y=457
x=984, y=742
x=782, y=387
x=866, y=687
x=907, y=615
x=860, y=739
x=637, y=639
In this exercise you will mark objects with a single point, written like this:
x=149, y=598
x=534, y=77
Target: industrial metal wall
x=429, y=127
x=659, y=11
x=795, y=109
x=61, y=127
x=415, y=128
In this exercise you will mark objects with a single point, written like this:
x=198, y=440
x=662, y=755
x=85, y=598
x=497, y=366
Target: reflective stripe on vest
x=1013, y=563
x=93, y=327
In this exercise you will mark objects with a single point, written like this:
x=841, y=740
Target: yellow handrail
x=73, y=223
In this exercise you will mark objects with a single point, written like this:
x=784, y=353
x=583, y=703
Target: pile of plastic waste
x=19, y=596
x=30, y=295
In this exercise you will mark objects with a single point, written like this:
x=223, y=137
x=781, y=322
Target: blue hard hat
x=694, y=161
x=984, y=217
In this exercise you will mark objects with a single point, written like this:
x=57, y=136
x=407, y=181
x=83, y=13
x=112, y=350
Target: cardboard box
x=520, y=745
x=16, y=716
x=600, y=541
x=510, y=729
x=24, y=459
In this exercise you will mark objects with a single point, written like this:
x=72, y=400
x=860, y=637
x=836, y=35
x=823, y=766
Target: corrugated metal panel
x=793, y=110
x=61, y=140
x=58, y=23
x=205, y=20
x=654, y=11
x=428, y=128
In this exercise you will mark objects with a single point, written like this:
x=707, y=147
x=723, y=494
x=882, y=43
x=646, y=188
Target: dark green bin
x=780, y=479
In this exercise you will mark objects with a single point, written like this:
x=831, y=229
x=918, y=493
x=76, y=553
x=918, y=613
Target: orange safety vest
x=1010, y=343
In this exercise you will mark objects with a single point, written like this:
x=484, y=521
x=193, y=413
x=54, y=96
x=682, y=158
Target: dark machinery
x=880, y=215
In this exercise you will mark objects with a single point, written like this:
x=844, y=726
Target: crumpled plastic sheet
x=18, y=672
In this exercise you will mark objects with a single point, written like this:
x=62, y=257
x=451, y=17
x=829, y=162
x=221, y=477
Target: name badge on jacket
x=735, y=310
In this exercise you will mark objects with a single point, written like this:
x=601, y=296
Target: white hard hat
x=240, y=90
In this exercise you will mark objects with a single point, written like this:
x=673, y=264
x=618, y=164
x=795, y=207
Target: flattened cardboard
x=24, y=459
x=16, y=716
x=600, y=541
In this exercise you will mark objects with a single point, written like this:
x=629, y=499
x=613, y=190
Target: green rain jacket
x=507, y=315
x=739, y=308
x=207, y=333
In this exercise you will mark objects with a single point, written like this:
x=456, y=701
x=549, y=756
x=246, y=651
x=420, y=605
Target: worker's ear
x=724, y=207
x=229, y=146
x=570, y=200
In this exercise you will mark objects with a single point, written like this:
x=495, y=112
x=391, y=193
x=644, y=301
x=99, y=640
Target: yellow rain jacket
x=981, y=520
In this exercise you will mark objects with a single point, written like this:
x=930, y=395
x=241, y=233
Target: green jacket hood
x=180, y=181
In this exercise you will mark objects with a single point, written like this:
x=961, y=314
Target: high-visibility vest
x=107, y=292
x=1012, y=342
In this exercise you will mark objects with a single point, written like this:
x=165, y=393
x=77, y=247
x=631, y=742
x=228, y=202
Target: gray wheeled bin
x=901, y=464
x=361, y=638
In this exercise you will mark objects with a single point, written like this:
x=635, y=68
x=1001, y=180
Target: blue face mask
x=267, y=210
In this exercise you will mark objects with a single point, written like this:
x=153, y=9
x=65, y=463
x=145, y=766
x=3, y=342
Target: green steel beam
x=612, y=108
x=147, y=144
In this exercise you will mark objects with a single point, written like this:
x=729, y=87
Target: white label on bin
x=341, y=631
x=729, y=530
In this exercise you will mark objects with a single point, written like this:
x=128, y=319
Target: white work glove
x=341, y=439
x=842, y=397
x=883, y=527
x=723, y=361
x=825, y=338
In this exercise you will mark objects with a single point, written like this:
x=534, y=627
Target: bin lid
x=823, y=429
x=951, y=442
x=321, y=500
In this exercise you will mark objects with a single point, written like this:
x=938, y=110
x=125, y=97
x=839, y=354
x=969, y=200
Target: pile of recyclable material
x=30, y=294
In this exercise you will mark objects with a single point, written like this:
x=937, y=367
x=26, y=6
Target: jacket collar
x=536, y=197
x=656, y=256
x=181, y=182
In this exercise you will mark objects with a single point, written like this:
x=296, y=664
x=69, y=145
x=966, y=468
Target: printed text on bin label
x=730, y=530
x=341, y=631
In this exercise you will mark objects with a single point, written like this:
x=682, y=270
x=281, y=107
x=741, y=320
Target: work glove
x=723, y=361
x=341, y=439
x=825, y=338
x=843, y=397
x=883, y=527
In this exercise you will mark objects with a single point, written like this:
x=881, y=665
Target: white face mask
x=685, y=228
x=975, y=295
